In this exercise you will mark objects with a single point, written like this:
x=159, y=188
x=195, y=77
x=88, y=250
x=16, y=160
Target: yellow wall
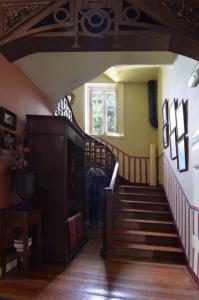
x=138, y=133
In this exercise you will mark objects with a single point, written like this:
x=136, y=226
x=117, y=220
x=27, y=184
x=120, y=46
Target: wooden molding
x=77, y=22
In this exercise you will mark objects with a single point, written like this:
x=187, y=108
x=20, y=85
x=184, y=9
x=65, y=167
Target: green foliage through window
x=103, y=110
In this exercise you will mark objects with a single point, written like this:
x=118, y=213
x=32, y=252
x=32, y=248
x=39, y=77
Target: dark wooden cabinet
x=2, y=242
x=57, y=158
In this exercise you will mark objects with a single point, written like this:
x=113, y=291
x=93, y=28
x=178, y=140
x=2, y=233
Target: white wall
x=174, y=82
x=58, y=74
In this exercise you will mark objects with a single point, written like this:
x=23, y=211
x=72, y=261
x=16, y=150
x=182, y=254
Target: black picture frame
x=165, y=112
x=8, y=140
x=172, y=114
x=165, y=134
x=182, y=155
x=8, y=119
x=173, y=146
x=180, y=120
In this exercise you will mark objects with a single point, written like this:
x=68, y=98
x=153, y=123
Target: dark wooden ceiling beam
x=169, y=18
x=155, y=28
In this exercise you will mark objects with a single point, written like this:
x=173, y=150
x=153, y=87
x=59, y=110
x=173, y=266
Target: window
x=102, y=108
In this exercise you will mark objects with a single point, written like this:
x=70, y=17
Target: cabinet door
x=48, y=161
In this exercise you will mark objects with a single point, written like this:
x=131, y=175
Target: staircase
x=143, y=227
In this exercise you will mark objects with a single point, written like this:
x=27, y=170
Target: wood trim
x=187, y=257
x=185, y=216
x=195, y=208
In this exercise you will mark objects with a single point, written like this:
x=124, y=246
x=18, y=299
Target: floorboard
x=89, y=277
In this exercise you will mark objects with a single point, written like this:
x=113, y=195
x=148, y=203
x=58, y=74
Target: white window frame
x=118, y=88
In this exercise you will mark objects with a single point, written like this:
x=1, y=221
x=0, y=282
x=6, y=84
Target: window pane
x=111, y=126
x=98, y=100
x=111, y=97
x=111, y=112
x=98, y=122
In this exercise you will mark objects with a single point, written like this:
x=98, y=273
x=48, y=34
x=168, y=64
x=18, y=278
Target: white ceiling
x=58, y=73
x=132, y=73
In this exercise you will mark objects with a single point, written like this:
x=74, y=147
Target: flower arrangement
x=96, y=172
x=20, y=156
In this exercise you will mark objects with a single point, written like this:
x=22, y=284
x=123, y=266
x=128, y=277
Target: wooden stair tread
x=143, y=195
x=143, y=202
x=144, y=211
x=143, y=232
x=147, y=260
x=129, y=245
x=144, y=221
x=141, y=187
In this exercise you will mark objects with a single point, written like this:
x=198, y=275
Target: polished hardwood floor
x=89, y=277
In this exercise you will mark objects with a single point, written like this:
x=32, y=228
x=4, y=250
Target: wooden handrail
x=109, y=199
x=134, y=169
x=114, y=177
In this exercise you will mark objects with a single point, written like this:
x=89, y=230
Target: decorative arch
x=99, y=25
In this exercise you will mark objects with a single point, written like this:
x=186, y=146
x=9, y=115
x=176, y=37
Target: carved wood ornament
x=80, y=20
x=187, y=10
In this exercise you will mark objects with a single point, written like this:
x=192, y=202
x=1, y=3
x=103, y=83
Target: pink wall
x=19, y=95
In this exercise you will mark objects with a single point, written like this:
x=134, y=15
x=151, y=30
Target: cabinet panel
x=48, y=160
x=46, y=125
x=58, y=160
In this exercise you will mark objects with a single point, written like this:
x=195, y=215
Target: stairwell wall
x=19, y=95
x=179, y=187
x=138, y=133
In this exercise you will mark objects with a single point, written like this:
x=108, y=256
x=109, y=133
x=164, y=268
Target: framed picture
x=165, y=112
x=172, y=114
x=180, y=120
x=8, y=118
x=173, y=147
x=8, y=140
x=165, y=133
x=182, y=154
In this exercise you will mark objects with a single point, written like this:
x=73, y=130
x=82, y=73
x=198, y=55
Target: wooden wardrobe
x=57, y=159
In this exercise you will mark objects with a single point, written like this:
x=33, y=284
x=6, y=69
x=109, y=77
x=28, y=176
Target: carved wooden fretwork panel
x=63, y=109
x=77, y=19
x=14, y=14
x=186, y=10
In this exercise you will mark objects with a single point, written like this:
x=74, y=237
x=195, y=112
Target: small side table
x=26, y=221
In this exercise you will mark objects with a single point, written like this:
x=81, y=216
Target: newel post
x=107, y=221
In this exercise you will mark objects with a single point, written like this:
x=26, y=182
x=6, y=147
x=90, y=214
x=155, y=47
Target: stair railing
x=97, y=154
x=134, y=169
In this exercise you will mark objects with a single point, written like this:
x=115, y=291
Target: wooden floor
x=91, y=278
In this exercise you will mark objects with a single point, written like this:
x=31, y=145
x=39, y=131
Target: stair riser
x=141, y=191
x=156, y=207
x=145, y=226
x=167, y=257
x=144, y=215
x=144, y=198
x=147, y=240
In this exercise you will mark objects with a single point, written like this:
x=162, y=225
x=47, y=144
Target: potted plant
x=96, y=180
